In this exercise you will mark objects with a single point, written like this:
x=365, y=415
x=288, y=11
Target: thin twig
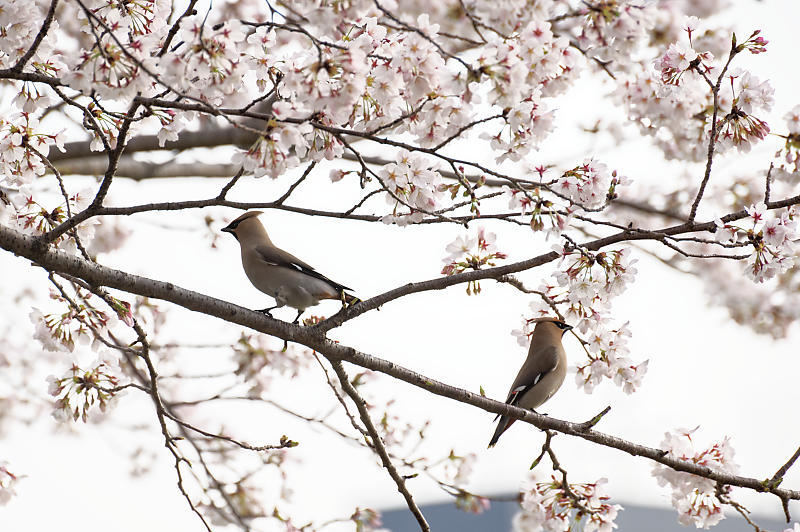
x=777, y=478
x=294, y=185
x=713, y=133
x=377, y=443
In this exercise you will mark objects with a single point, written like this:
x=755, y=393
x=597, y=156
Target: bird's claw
x=267, y=311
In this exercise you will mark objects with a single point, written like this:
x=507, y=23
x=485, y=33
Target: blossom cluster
x=32, y=217
x=471, y=253
x=471, y=503
x=20, y=21
x=459, y=467
x=695, y=498
x=79, y=390
x=668, y=102
x=787, y=161
x=589, y=185
x=613, y=31
x=740, y=127
x=23, y=144
x=608, y=358
x=772, y=239
x=592, y=279
x=36, y=214
x=530, y=64
x=555, y=507
x=60, y=332
x=412, y=186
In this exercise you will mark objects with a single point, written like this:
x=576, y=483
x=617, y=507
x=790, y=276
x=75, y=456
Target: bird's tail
x=502, y=426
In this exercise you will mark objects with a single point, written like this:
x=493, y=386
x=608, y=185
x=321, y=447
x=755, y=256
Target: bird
x=542, y=373
x=279, y=274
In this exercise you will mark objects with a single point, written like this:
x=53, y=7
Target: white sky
x=703, y=370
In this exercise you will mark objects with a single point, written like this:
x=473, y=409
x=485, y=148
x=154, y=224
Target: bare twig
x=377, y=443
x=777, y=478
x=713, y=133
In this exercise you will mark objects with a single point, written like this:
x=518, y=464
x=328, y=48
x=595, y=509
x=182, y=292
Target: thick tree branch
x=95, y=274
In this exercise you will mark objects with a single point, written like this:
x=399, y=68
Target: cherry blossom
x=695, y=498
x=471, y=253
x=587, y=185
x=412, y=185
x=772, y=239
x=677, y=60
x=608, y=358
x=552, y=506
x=78, y=390
x=615, y=30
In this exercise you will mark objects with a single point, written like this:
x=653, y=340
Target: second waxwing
x=279, y=274
x=541, y=374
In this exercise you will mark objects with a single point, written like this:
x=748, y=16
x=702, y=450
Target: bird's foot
x=296, y=320
x=267, y=311
x=348, y=300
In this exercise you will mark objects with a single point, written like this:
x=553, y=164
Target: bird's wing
x=278, y=257
x=535, y=367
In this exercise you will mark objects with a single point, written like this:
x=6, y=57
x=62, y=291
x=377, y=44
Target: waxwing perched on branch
x=280, y=274
x=542, y=373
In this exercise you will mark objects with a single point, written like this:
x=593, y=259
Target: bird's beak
x=230, y=230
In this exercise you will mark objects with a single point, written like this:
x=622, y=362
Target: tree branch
x=312, y=337
x=377, y=443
